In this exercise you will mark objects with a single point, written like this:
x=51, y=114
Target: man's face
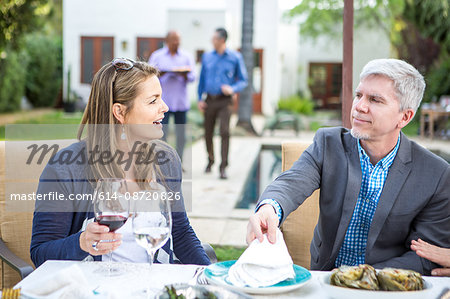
x=173, y=42
x=376, y=111
x=217, y=41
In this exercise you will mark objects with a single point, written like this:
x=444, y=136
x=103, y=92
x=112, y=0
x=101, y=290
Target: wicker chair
x=298, y=228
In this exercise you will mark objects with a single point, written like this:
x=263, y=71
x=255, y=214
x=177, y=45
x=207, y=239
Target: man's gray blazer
x=414, y=202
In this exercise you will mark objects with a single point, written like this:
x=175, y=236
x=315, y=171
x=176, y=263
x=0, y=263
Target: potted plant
x=71, y=97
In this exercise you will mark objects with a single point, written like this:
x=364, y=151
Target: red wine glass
x=111, y=208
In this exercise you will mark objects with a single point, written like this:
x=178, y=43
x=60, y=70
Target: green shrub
x=44, y=73
x=438, y=80
x=12, y=80
x=296, y=104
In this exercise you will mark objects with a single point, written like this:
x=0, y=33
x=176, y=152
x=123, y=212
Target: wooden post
x=246, y=96
x=347, y=68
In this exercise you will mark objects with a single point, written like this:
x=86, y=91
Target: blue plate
x=218, y=274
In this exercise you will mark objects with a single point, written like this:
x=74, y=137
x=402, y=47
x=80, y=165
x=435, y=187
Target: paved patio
x=213, y=214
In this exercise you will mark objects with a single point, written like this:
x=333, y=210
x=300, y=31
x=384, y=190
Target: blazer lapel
x=395, y=179
x=354, y=176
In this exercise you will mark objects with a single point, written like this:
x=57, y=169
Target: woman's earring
x=123, y=136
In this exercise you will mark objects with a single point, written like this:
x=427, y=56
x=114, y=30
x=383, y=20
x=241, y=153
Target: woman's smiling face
x=144, y=118
x=148, y=107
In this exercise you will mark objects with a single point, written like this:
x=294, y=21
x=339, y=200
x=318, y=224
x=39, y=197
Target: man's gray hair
x=408, y=82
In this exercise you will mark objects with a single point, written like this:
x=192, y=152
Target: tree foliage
x=325, y=17
x=438, y=80
x=418, y=30
x=44, y=72
x=431, y=18
x=12, y=80
x=18, y=17
x=29, y=32
x=426, y=19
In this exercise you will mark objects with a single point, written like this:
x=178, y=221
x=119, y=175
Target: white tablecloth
x=138, y=275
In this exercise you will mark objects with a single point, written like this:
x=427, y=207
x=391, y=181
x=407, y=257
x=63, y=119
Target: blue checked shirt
x=353, y=249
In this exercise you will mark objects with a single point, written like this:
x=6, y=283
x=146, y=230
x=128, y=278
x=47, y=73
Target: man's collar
x=226, y=52
x=404, y=150
x=167, y=51
x=350, y=142
x=387, y=160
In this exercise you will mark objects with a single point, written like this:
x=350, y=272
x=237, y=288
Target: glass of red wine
x=111, y=208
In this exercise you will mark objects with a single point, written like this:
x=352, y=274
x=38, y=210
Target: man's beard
x=359, y=135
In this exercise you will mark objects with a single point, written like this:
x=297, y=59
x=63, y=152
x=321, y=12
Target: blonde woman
x=120, y=125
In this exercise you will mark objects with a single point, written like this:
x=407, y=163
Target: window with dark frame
x=147, y=45
x=96, y=51
x=198, y=56
x=325, y=83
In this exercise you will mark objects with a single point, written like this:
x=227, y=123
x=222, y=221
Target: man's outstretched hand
x=263, y=221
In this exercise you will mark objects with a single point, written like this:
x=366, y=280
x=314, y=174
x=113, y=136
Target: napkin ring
x=94, y=245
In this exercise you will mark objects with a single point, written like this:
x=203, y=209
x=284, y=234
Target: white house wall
x=267, y=37
x=368, y=44
x=288, y=44
x=126, y=20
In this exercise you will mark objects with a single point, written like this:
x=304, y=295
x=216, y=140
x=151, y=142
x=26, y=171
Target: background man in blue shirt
x=223, y=74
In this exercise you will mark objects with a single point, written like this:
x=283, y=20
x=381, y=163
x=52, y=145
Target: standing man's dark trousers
x=218, y=107
x=180, y=130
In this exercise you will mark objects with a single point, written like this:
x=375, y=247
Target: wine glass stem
x=151, y=254
x=110, y=262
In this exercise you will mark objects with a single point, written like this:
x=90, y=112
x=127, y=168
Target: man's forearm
x=239, y=86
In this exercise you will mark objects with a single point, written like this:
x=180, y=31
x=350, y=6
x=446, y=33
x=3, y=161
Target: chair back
x=16, y=226
x=298, y=228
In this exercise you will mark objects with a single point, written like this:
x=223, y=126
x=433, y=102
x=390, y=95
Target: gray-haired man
x=378, y=189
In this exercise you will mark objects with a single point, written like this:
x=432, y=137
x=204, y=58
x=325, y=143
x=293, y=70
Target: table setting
x=264, y=270
x=79, y=280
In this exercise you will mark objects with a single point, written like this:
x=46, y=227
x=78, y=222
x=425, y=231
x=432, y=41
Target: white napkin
x=70, y=282
x=262, y=264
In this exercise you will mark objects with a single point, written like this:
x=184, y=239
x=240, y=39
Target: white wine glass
x=152, y=224
x=152, y=221
x=111, y=208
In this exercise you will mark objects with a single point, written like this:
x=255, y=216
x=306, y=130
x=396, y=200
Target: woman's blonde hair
x=109, y=86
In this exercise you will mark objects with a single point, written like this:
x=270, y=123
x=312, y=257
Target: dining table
x=434, y=112
x=140, y=276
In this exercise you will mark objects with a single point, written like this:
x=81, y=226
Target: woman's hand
x=435, y=254
x=95, y=232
